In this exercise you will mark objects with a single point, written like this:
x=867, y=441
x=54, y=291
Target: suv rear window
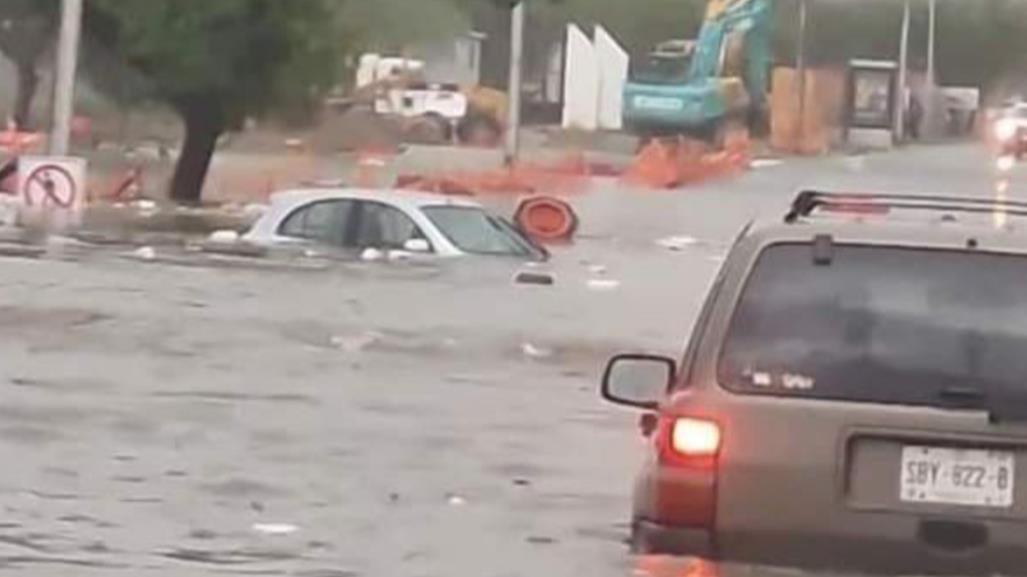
x=879, y=324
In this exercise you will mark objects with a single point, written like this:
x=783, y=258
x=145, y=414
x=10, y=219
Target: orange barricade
x=665, y=163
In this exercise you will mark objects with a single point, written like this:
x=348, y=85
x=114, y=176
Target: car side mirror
x=640, y=381
x=418, y=245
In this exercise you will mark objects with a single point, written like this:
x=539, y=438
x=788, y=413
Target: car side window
x=326, y=222
x=698, y=331
x=385, y=227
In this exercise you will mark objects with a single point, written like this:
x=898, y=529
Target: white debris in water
x=855, y=163
x=356, y=343
x=765, y=163
x=677, y=243
x=456, y=501
x=145, y=207
x=145, y=253
x=224, y=237
x=603, y=285
x=372, y=255
x=533, y=352
x=10, y=205
x=275, y=528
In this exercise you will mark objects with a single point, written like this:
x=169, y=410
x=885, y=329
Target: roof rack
x=808, y=202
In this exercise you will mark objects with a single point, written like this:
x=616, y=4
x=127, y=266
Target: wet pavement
x=366, y=419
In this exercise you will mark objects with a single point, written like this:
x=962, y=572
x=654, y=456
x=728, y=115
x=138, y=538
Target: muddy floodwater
x=358, y=419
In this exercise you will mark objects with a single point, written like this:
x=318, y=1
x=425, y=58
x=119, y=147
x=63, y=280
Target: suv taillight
x=689, y=441
x=695, y=437
x=686, y=481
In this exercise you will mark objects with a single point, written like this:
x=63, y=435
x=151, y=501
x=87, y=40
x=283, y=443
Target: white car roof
x=406, y=199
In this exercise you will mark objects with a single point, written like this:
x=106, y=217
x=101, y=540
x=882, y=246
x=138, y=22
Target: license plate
x=659, y=103
x=968, y=477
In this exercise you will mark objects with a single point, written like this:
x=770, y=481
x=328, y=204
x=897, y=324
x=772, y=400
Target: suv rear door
x=869, y=397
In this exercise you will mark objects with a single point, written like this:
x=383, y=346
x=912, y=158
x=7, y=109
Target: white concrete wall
x=612, y=63
x=581, y=82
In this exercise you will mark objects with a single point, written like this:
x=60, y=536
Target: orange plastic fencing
x=567, y=176
x=673, y=163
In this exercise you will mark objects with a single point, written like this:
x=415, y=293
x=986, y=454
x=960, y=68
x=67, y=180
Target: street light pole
x=513, y=121
x=800, y=69
x=932, y=27
x=64, y=80
x=900, y=98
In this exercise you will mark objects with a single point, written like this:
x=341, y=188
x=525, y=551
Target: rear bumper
x=660, y=539
x=820, y=555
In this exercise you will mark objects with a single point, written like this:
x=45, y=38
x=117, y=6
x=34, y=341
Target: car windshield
x=879, y=324
x=474, y=231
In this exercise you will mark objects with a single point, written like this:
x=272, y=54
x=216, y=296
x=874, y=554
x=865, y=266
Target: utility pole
x=513, y=121
x=800, y=69
x=900, y=97
x=64, y=82
x=932, y=28
x=930, y=123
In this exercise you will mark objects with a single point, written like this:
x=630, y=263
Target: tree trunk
x=28, y=81
x=202, y=130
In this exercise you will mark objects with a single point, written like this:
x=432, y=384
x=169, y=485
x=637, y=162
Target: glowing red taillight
x=695, y=437
x=689, y=441
x=685, y=483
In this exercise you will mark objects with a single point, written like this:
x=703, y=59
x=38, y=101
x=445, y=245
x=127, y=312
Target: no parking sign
x=52, y=186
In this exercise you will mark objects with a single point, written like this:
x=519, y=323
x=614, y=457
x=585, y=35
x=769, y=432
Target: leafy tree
x=27, y=29
x=393, y=25
x=217, y=63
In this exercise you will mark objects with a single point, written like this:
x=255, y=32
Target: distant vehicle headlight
x=1005, y=129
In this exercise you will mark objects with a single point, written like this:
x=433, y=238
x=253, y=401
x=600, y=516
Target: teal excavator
x=701, y=88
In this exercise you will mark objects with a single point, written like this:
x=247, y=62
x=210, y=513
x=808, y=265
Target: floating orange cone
x=547, y=219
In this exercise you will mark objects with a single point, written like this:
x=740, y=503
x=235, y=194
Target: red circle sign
x=50, y=185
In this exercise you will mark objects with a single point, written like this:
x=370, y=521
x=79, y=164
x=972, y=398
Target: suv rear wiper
x=963, y=396
x=1001, y=408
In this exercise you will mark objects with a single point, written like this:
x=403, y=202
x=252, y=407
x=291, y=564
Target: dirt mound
x=356, y=129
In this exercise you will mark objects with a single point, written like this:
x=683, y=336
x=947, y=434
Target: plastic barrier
x=672, y=163
x=547, y=219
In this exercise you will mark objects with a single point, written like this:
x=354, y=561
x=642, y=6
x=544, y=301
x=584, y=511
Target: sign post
x=513, y=124
x=64, y=82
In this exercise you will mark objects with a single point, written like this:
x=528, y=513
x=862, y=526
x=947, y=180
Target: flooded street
x=367, y=419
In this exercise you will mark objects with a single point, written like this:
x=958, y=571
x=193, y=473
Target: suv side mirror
x=417, y=245
x=640, y=381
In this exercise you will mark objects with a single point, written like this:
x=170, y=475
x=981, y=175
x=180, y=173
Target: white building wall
x=581, y=82
x=612, y=63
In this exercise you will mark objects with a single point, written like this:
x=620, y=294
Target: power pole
x=513, y=121
x=64, y=83
x=800, y=69
x=900, y=98
x=930, y=109
x=932, y=28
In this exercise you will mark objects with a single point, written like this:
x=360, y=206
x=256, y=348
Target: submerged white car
x=390, y=220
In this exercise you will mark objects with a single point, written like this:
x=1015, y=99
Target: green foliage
x=638, y=25
x=390, y=26
x=26, y=27
x=218, y=62
x=235, y=57
x=26, y=30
